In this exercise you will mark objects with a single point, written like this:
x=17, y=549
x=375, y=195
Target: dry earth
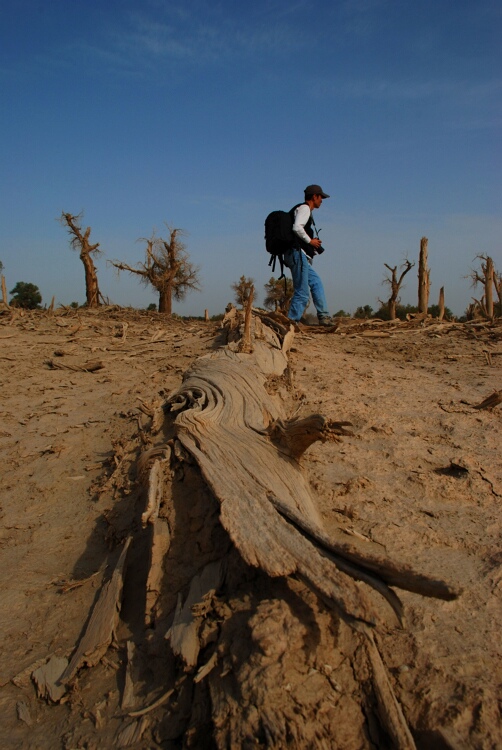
x=421, y=476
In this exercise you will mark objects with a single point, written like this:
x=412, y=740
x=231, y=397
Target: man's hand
x=316, y=242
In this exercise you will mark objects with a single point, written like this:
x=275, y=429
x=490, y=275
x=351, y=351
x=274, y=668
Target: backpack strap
x=272, y=262
x=313, y=224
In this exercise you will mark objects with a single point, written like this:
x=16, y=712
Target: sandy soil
x=421, y=475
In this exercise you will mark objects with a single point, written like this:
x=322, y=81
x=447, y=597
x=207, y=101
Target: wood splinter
x=100, y=629
x=87, y=367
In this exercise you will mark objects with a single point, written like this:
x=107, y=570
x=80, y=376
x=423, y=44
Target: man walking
x=300, y=256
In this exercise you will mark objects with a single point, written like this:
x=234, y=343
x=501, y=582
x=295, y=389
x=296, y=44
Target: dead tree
x=488, y=278
x=395, y=286
x=167, y=268
x=424, y=281
x=243, y=581
x=79, y=240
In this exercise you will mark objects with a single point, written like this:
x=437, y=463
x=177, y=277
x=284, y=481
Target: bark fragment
x=102, y=623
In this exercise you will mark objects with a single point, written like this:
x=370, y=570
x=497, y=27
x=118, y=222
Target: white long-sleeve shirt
x=302, y=215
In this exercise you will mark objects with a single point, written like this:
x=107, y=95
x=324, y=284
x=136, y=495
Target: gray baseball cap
x=315, y=190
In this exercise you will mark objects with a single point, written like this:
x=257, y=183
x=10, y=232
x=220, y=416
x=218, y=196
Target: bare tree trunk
x=489, y=283
x=441, y=303
x=166, y=300
x=392, y=309
x=4, y=292
x=423, y=277
x=206, y=316
x=91, y=280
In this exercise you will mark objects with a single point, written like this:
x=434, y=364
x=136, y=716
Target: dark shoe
x=325, y=322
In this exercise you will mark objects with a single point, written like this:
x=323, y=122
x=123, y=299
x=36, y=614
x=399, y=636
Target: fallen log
x=263, y=611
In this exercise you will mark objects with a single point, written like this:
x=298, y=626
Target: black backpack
x=279, y=237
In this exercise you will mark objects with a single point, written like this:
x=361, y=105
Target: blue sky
x=209, y=115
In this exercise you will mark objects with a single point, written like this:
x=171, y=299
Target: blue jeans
x=305, y=281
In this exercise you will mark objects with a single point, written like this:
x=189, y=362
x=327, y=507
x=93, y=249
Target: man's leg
x=299, y=267
x=318, y=295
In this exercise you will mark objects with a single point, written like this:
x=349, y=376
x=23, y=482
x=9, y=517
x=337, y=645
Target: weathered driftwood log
x=268, y=618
